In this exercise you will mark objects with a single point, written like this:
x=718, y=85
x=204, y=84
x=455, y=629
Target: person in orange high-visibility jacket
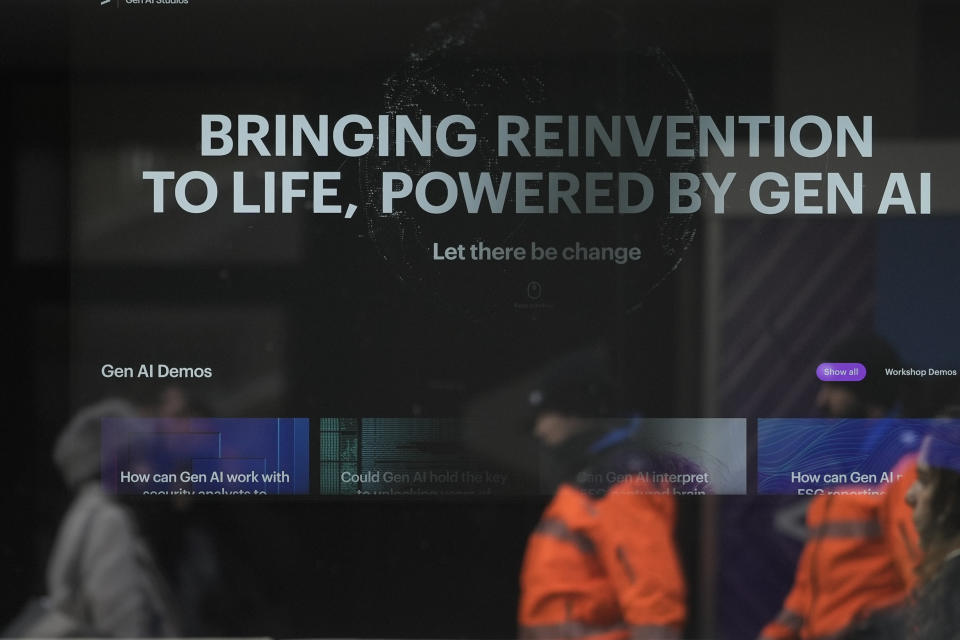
x=858, y=564
x=603, y=567
x=602, y=563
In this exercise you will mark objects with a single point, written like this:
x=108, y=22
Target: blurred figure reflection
x=102, y=578
x=602, y=563
x=857, y=565
x=935, y=500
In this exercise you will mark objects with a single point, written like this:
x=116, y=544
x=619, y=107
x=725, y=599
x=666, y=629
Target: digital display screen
x=580, y=320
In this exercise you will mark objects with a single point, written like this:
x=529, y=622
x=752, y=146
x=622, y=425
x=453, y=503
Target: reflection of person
x=935, y=500
x=857, y=566
x=602, y=562
x=102, y=579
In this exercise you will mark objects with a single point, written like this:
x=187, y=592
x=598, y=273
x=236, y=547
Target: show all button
x=841, y=371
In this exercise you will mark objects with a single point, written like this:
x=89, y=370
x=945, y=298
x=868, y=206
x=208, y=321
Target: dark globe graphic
x=516, y=61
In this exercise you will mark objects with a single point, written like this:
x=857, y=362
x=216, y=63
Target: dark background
x=328, y=328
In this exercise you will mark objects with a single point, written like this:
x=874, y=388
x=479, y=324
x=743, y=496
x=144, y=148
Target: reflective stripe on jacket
x=604, y=568
x=860, y=557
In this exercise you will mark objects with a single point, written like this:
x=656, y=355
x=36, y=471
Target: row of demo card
x=435, y=457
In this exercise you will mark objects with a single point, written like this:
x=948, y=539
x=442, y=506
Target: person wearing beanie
x=858, y=564
x=602, y=563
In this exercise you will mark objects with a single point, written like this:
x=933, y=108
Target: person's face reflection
x=553, y=428
x=837, y=400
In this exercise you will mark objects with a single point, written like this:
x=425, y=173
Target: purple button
x=841, y=371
